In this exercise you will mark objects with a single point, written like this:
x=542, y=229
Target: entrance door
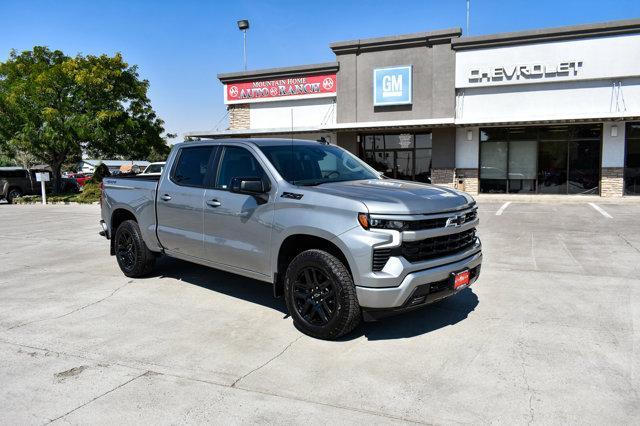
x=399, y=156
x=584, y=167
x=632, y=160
x=552, y=167
x=404, y=165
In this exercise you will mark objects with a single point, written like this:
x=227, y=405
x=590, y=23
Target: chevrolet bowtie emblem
x=455, y=221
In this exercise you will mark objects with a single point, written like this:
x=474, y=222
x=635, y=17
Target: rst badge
x=392, y=86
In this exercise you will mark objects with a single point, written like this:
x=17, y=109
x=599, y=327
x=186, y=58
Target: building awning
x=353, y=127
x=586, y=118
x=391, y=124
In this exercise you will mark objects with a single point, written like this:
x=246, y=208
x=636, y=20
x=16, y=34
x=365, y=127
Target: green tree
x=56, y=107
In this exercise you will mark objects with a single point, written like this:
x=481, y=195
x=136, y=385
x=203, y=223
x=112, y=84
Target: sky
x=180, y=46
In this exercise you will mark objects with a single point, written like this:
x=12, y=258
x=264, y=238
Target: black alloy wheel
x=134, y=258
x=315, y=297
x=320, y=295
x=125, y=250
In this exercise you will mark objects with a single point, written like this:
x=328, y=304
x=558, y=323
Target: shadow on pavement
x=244, y=288
x=414, y=323
x=421, y=321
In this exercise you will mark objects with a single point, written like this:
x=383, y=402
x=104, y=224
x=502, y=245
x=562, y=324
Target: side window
x=192, y=166
x=237, y=162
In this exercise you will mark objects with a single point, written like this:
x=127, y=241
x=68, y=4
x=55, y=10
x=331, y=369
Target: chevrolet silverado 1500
x=339, y=241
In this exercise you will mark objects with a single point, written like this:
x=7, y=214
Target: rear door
x=180, y=200
x=237, y=227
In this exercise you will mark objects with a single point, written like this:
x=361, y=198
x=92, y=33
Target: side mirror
x=248, y=185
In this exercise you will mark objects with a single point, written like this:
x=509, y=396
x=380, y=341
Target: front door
x=180, y=201
x=237, y=227
x=399, y=156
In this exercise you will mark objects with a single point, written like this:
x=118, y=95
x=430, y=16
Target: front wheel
x=321, y=296
x=134, y=258
x=13, y=194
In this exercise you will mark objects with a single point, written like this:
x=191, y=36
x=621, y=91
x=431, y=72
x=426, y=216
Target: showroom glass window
x=542, y=160
x=632, y=160
x=403, y=156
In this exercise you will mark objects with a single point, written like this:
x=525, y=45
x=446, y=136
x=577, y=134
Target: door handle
x=165, y=197
x=214, y=203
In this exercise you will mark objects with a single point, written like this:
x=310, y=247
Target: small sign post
x=42, y=178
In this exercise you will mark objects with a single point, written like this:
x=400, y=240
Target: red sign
x=281, y=88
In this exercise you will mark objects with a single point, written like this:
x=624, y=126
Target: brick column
x=469, y=178
x=442, y=177
x=612, y=182
x=239, y=117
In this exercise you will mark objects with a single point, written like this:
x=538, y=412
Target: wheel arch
x=295, y=244
x=118, y=216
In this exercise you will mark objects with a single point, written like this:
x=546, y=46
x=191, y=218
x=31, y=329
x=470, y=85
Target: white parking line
x=600, y=210
x=502, y=209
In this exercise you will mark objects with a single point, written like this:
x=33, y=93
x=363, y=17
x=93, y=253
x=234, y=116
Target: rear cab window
x=192, y=166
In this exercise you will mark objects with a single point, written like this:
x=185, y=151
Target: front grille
x=471, y=216
x=419, y=225
x=429, y=248
x=380, y=258
x=440, y=222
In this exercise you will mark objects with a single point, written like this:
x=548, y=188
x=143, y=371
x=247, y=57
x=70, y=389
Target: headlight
x=388, y=224
x=366, y=222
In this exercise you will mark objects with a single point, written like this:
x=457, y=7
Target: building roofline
x=395, y=42
x=248, y=132
x=600, y=29
x=268, y=73
x=362, y=125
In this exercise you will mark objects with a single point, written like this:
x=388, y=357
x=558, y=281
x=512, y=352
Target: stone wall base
x=612, y=182
x=467, y=180
x=239, y=117
x=443, y=177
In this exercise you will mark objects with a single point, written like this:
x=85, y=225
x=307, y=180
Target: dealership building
x=550, y=111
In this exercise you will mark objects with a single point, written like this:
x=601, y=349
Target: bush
x=90, y=194
x=101, y=172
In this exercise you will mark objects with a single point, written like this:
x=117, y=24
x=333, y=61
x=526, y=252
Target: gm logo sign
x=392, y=86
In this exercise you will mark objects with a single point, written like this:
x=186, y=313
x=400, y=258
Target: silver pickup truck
x=339, y=241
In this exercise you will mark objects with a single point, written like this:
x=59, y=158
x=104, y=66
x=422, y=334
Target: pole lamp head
x=243, y=24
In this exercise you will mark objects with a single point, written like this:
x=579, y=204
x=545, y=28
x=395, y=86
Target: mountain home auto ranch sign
x=270, y=90
x=519, y=72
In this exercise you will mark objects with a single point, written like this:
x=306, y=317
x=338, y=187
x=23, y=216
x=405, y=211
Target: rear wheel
x=321, y=296
x=134, y=258
x=13, y=194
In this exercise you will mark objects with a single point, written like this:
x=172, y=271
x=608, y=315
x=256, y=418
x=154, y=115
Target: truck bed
x=137, y=195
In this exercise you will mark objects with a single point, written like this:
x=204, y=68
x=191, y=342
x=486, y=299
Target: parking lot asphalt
x=548, y=334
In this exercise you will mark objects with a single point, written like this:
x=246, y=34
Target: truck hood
x=389, y=196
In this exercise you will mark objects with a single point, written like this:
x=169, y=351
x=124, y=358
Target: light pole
x=468, y=17
x=243, y=25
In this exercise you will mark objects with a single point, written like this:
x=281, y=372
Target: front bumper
x=417, y=288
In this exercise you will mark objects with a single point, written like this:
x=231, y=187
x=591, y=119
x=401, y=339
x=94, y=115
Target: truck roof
x=257, y=141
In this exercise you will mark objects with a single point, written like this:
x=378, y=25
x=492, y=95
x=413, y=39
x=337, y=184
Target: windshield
x=316, y=164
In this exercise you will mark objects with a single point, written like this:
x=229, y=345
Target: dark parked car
x=15, y=183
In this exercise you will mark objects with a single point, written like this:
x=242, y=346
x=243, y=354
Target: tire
x=320, y=295
x=13, y=193
x=133, y=256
